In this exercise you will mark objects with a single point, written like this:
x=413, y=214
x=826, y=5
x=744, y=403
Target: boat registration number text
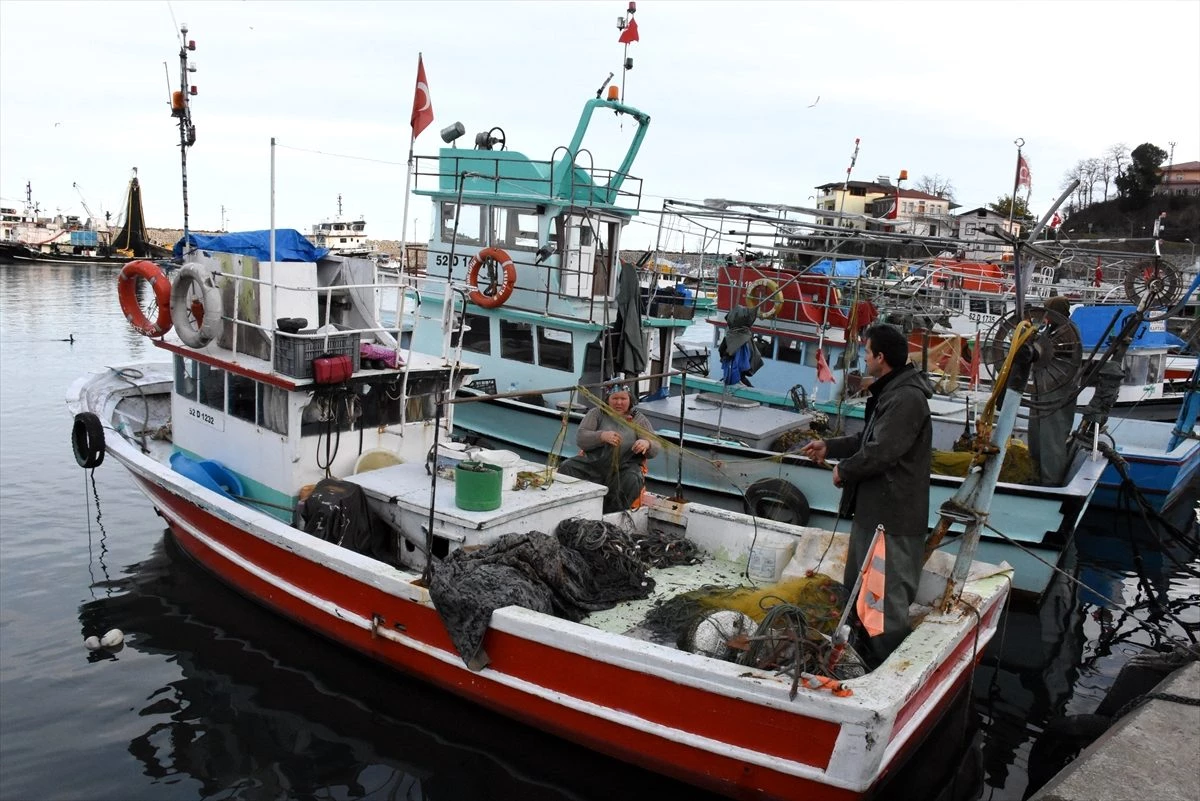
x=443, y=259
x=208, y=418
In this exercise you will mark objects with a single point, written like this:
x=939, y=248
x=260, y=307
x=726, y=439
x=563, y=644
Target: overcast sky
x=931, y=87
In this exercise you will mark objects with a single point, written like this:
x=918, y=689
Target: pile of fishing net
x=1018, y=467
x=586, y=566
x=786, y=627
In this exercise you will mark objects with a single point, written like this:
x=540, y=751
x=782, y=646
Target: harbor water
x=213, y=697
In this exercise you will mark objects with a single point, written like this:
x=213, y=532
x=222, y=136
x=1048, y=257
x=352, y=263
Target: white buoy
x=112, y=638
x=92, y=643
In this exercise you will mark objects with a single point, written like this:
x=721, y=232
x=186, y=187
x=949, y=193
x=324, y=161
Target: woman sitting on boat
x=615, y=442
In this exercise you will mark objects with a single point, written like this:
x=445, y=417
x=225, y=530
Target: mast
x=181, y=109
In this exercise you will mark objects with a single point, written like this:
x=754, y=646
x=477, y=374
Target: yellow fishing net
x=1018, y=465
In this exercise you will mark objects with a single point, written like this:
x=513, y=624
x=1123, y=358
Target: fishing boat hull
x=715, y=724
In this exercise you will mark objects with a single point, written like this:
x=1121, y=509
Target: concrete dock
x=1150, y=754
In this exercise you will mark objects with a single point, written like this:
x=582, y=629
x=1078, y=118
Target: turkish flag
x=630, y=33
x=1024, y=176
x=422, y=110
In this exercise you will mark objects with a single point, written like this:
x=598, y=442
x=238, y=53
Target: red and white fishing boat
x=226, y=434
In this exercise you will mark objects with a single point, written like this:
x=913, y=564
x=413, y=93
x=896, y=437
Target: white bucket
x=768, y=559
x=510, y=462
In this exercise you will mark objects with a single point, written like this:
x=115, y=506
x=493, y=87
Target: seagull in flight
x=815, y=102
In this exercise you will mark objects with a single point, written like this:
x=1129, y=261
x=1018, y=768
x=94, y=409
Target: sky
x=754, y=101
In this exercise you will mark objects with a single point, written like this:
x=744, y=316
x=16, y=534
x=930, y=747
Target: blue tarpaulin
x=290, y=245
x=844, y=268
x=1093, y=320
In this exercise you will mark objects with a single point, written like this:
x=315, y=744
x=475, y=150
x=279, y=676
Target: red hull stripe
x=668, y=727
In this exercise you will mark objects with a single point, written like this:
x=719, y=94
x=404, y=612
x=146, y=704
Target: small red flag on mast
x=630, y=34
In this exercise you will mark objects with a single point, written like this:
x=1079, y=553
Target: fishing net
x=1018, y=467
x=784, y=627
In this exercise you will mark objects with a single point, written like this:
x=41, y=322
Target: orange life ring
x=494, y=295
x=127, y=293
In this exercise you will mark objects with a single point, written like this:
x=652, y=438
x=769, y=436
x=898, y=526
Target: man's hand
x=815, y=450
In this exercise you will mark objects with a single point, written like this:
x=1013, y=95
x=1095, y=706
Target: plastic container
x=209, y=473
x=508, y=461
x=294, y=353
x=768, y=559
x=477, y=486
x=376, y=458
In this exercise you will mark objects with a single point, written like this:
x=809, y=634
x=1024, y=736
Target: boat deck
x=627, y=618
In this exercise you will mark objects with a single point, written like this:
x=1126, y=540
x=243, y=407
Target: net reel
x=1058, y=355
x=1154, y=284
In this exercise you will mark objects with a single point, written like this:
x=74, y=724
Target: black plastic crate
x=294, y=353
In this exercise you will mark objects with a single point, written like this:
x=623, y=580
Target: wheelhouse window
x=514, y=228
x=242, y=402
x=212, y=386
x=554, y=349
x=470, y=223
x=186, y=384
x=370, y=405
x=516, y=341
x=477, y=333
x=272, y=408
x=790, y=350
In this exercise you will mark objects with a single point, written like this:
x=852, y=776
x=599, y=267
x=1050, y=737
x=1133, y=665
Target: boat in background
x=341, y=236
x=26, y=236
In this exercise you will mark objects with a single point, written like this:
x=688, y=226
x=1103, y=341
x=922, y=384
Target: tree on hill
x=935, y=185
x=1136, y=184
x=1020, y=209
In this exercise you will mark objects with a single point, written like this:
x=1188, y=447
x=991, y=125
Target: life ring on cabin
x=495, y=293
x=196, y=307
x=776, y=499
x=771, y=301
x=87, y=440
x=127, y=294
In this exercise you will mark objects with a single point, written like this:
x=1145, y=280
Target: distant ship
x=27, y=236
x=340, y=236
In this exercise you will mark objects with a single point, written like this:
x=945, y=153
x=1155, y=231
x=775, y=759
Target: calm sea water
x=213, y=697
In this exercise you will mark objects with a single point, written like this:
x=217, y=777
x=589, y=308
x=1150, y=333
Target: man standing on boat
x=616, y=442
x=1050, y=432
x=884, y=475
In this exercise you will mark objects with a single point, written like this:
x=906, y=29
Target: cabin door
x=579, y=263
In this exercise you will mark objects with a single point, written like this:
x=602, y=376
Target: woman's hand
x=640, y=446
x=611, y=438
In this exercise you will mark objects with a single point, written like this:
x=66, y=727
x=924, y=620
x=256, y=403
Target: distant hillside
x=1109, y=219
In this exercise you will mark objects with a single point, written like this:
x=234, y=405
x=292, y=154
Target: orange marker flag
x=869, y=605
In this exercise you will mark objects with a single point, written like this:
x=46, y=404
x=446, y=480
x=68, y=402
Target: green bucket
x=477, y=486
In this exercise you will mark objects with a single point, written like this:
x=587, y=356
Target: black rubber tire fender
x=87, y=440
x=767, y=496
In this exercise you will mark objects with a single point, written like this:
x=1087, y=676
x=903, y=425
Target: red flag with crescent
x=422, y=110
x=1024, y=176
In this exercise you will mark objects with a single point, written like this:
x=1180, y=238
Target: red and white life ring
x=127, y=294
x=495, y=292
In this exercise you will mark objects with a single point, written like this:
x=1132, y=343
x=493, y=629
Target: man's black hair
x=889, y=341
